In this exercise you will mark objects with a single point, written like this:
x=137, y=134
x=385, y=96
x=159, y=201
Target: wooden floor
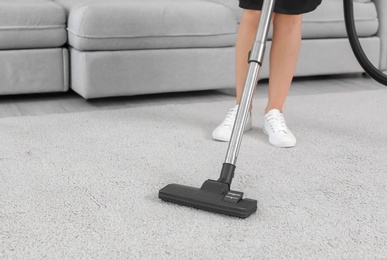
x=70, y=102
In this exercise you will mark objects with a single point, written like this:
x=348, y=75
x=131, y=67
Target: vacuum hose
x=356, y=47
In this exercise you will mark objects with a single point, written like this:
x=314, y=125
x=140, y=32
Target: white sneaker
x=274, y=126
x=224, y=130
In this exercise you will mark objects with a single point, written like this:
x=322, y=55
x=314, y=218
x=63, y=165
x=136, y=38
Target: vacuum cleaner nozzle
x=213, y=196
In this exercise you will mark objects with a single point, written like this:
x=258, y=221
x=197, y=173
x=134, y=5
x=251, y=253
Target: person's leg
x=246, y=35
x=284, y=52
x=286, y=44
x=245, y=39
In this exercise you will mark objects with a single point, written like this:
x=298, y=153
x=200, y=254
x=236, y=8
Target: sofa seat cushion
x=147, y=24
x=30, y=24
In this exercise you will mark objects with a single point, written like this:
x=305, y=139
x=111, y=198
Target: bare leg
x=245, y=39
x=284, y=53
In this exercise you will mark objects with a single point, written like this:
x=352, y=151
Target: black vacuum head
x=213, y=196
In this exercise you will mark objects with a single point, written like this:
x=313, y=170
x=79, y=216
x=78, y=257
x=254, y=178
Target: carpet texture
x=85, y=185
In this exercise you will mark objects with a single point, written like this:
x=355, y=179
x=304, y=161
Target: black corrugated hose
x=356, y=47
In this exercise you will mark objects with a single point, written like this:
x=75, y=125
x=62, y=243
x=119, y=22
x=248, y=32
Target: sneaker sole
x=279, y=144
x=227, y=139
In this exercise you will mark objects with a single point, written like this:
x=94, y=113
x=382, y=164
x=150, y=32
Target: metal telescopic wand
x=255, y=60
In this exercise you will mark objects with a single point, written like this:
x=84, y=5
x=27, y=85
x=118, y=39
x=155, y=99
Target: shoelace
x=277, y=123
x=230, y=118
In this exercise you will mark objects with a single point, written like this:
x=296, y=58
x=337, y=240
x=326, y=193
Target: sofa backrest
x=327, y=21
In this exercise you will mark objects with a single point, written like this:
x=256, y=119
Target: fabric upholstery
x=124, y=25
x=381, y=6
x=116, y=73
x=328, y=20
x=34, y=71
x=119, y=73
x=26, y=24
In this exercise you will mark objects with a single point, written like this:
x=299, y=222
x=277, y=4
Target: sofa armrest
x=381, y=7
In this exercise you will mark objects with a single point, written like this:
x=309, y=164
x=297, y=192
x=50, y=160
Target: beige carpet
x=85, y=185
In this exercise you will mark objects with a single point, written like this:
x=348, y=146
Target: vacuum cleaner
x=216, y=195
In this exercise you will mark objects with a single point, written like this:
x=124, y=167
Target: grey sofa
x=132, y=47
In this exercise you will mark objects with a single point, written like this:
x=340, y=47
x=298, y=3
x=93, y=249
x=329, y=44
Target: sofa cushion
x=29, y=24
x=327, y=21
x=232, y=5
x=147, y=24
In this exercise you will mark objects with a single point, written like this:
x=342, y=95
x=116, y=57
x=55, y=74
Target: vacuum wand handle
x=255, y=63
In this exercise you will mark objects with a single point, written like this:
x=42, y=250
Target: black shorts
x=283, y=6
